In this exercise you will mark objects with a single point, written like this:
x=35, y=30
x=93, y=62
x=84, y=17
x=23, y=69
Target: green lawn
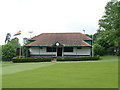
x=81, y=74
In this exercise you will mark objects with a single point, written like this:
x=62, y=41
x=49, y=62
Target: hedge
x=6, y=59
x=77, y=58
x=32, y=59
x=48, y=59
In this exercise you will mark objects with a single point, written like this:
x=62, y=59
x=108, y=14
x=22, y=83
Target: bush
x=8, y=51
x=6, y=59
x=48, y=59
x=77, y=58
x=31, y=59
x=98, y=50
x=110, y=51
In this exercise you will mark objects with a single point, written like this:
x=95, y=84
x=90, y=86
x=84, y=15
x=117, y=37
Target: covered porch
x=58, y=51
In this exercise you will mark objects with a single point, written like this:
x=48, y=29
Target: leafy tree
x=25, y=42
x=98, y=50
x=0, y=52
x=15, y=42
x=103, y=42
x=109, y=25
x=8, y=50
x=88, y=35
x=92, y=36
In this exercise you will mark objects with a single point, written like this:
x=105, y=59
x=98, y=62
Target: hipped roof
x=66, y=39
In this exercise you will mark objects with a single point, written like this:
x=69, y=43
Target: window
x=41, y=47
x=51, y=49
x=79, y=47
x=68, y=49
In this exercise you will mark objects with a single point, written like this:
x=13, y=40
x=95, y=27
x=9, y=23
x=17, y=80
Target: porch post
x=91, y=51
x=26, y=52
x=52, y=51
x=76, y=51
x=63, y=51
x=39, y=51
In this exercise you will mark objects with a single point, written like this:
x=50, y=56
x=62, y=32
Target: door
x=59, y=51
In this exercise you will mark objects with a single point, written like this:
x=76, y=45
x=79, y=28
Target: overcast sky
x=43, y=16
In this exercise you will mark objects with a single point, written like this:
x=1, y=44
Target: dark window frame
x=50, y=49
x=68, y=49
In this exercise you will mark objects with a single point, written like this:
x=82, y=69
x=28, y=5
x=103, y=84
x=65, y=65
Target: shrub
x=110, y=51
x=48, y=59
x=98, y=50
x=77, y=58
x=8, y=51
x=31, y=59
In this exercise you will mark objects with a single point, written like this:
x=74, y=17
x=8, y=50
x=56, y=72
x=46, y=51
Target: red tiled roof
x=66, y=39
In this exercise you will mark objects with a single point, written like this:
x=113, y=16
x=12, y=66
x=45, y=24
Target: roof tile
x=66, y=39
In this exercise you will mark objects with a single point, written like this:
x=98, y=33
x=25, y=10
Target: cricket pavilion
x=59, y=45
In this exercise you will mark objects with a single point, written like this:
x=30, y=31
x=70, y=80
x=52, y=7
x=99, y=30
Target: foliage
x=88, y=35
x=25, y=42
x=48, y=59
x=108, y=35
x=8, y=50
x=98, y=50
x=31, y=59
x=109, y=25
x=0, y=52
x=110, y=51
x=77, y=58
x=103, y=42
x=15, y=42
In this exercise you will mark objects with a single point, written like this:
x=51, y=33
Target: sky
x=44, y=16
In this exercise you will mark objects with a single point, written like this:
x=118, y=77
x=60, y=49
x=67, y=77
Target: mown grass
x=108, y=57
x=94, y=74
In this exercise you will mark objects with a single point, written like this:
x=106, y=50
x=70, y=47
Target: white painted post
x=92, y=48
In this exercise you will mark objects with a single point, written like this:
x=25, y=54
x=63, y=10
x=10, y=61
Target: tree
x=0, y=52
x=15, y=42
x=7, y=37
x=88, y=35
x=8, y=50
x=98, y=50
x=25, y=42
x=109, y=25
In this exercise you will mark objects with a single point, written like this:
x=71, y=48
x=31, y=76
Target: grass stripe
x=23, y=67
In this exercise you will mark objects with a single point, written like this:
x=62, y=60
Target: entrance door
x=59, y=51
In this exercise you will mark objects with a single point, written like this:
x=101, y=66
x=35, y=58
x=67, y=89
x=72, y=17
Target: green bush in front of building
x=78, y=58
x=31, y=59
x=48, y=59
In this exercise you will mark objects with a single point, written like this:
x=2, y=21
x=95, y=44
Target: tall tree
x=8, y=50
x=15, y=42
x=109, y=25
x=0, y=52
x=7, y=37
x=25, y=42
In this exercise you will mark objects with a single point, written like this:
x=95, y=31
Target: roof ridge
x=35, y=36
x=65, y=33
